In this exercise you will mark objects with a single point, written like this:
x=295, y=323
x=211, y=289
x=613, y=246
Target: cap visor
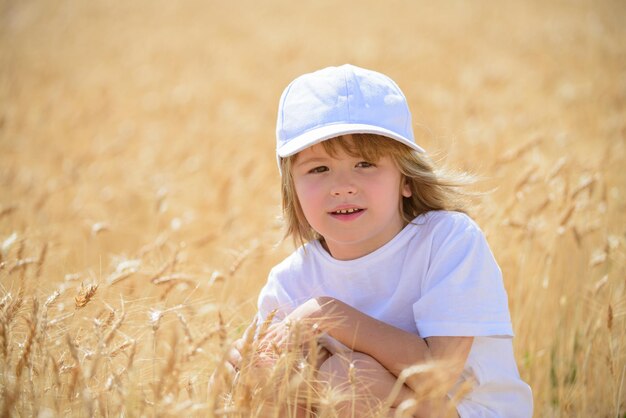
x=317, y=135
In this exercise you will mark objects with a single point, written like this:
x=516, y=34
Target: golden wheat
x=139, y=193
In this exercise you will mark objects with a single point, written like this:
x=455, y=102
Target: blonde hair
x=431, y=188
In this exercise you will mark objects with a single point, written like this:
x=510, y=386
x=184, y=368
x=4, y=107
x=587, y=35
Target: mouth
x=347, y=212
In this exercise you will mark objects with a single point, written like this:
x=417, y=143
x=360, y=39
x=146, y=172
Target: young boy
x=392, y=272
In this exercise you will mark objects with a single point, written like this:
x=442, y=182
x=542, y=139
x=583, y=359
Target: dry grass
x=139, y=192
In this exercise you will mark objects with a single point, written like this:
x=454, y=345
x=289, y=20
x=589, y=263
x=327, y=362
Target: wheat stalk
x=28, y=344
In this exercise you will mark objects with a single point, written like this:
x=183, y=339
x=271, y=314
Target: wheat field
x=140, y=204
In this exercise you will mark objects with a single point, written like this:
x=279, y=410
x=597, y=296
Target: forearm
x=392, y=347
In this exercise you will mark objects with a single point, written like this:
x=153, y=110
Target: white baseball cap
x=338, y=101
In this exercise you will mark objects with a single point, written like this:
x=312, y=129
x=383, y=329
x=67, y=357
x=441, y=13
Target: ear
x=405, y=190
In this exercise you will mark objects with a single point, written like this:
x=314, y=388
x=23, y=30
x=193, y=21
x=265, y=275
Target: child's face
x=354, y=204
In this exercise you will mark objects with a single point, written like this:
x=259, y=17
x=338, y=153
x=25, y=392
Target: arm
x=392, y=347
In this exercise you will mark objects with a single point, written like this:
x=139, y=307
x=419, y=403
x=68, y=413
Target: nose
x=343, y=186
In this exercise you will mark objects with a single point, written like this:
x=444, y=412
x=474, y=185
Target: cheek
x=307, y=196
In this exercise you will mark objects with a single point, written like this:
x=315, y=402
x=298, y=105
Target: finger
x=230, y=369
x=234, y=358
x=239, y=344
x=270, y=334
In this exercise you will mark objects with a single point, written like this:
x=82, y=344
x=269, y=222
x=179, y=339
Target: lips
x=346, y=211
x=347, y=214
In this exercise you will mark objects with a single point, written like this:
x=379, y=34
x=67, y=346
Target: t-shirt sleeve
x=273, y=298
x=462, y=293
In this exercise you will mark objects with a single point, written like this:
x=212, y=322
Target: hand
x=234, y=354
x=279, y=336
x=296, y=330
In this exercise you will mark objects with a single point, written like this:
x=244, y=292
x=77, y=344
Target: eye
x=319, y=169
x=365, y=164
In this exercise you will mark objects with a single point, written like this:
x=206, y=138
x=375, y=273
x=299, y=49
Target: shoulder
x=294, y=263
x=452, y=237
x=446, y=218
x=282, y=284
x=441, y=225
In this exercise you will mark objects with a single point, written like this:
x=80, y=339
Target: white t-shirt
x=437, y=277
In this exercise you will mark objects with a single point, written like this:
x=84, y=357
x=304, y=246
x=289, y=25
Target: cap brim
x=317, y=135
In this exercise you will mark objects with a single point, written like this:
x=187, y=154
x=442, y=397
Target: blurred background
x=137, y=153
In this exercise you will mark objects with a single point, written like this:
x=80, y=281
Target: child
x=392, y=272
